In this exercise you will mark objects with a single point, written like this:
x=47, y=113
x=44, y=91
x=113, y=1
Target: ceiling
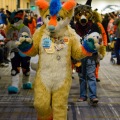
x=110, y=8
x=103, y=6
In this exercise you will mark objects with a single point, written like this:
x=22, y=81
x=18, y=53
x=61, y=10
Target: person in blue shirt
x=3, y=17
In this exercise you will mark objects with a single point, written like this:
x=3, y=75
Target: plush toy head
x=97, y=38
x=56, y=15
x=83, y=13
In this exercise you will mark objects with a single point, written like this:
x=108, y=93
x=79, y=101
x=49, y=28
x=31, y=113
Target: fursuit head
x=83, y=13
x=56, y=16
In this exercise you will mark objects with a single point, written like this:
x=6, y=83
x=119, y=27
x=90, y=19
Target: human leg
x=6, y=55
x=2, y=61
x=1, y=55
x=90, y=71
x=7, y=48
x=82, y=80
x=117, y=48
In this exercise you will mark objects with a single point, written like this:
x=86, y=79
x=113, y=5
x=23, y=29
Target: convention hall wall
x=12, y=4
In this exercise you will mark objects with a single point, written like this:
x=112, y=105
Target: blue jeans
x=87, y=78
x=117, y=49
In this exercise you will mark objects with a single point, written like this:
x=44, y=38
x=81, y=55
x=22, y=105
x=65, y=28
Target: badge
x=59, y=46
x=66, y=40
x=46, y=43
x=51, y=49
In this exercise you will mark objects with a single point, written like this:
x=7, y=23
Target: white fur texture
x=21, y=39
x=59, y=28
x=18, y=43
x=29, y=40
x=25, y=33
x=34, y=66
x=15, y=80
x=49, y=77
x=96, y=36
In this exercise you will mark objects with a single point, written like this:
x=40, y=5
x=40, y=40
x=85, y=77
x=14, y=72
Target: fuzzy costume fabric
x=55, y=42
x=18, y=60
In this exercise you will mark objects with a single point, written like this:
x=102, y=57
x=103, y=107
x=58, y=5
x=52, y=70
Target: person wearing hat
x=18, y=60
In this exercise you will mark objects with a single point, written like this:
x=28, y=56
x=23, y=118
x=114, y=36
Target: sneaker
x=7, y=60
x=73, y=71
x=4, y=64
x=94, y=100
x=82, y=99
x=98, y=80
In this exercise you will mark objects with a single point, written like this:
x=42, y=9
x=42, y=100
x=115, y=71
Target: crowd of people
x=31, y=20
x=19, y=25
x=88, y=70
x=13, y=25
x=110, y=31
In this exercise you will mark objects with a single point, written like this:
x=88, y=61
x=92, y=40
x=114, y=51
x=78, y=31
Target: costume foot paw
x=13, y=90
x=27, y=85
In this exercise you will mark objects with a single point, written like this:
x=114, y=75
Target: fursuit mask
x=55, y=14
x=16, y=17
x=83, y=13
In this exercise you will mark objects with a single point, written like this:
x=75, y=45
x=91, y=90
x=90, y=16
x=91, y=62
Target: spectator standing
x=26, y=20
x=117, y=35
x=105, y=25
x=32, y=25
x=3, y=17
x=2, y=50
x=110, y=27
x=86, y=73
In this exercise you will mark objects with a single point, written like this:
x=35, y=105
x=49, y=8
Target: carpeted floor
x=20, y=106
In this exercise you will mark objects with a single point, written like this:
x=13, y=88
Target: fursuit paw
x=27, y=85
x=25, y=42
x=13, y=90
x=92, y=42
x=89, y=45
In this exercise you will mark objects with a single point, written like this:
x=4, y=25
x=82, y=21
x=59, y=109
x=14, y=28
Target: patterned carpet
x=20, y=107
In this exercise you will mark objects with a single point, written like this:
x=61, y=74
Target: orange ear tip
x=42, y=4
x=69, y=5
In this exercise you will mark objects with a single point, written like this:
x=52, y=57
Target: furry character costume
x=83, y=22
x=16, y=30
x=85, y=27
x=55, y=42
x=98, y=19
x=102, y=51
